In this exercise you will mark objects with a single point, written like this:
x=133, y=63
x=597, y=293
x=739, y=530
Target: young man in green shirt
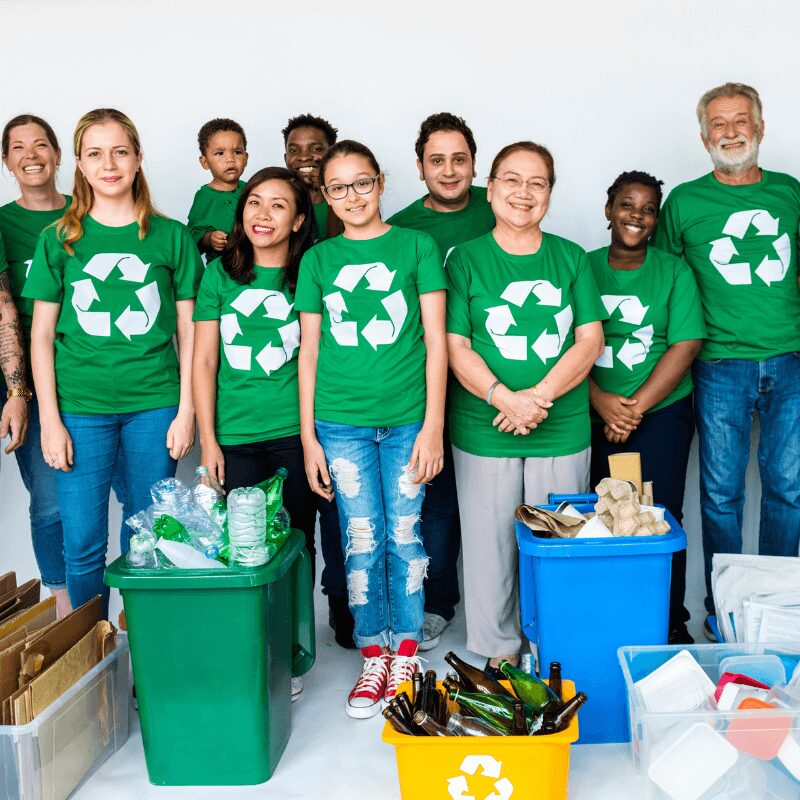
x=738, y=229
x=306, y=139
x=223, y=152
x=452, y=212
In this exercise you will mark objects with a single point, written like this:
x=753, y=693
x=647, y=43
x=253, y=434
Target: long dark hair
x=237, y=257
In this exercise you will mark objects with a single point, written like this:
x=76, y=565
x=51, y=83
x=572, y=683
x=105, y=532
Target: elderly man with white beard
x=738, y=229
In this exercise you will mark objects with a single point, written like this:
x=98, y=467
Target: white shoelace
x=400, y=671
x=373, y=676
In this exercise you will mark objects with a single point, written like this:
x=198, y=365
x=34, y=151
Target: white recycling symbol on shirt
x=458, y=786
x=500, y=318
x=130, y=323
x=270, y=358
x=738, y=273
x=632, y=311
x=377, y=331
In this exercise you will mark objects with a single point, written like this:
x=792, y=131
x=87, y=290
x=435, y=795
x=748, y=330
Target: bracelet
x=27, y=394
x=491, y=392
x=535, y=390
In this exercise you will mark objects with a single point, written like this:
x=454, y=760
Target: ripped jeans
x=379, y=508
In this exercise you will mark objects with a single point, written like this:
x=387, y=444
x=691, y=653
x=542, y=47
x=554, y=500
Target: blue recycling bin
x=582, y=599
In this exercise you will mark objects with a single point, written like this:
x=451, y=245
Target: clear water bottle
x=247, y=525
x=206, y=489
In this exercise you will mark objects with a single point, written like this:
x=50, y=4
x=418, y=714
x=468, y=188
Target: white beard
x=732, y=163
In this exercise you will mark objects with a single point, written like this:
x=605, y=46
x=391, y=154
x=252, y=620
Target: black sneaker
x=679, y=634
x=341, y=620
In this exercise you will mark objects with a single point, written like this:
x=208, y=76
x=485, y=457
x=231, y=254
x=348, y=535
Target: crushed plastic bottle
x=206, y=490
x=141, y=552
x=184, y=556
x=247, y=527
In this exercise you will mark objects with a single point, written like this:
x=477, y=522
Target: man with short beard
x=738, y=229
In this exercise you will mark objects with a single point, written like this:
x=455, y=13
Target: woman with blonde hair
x=113, y=281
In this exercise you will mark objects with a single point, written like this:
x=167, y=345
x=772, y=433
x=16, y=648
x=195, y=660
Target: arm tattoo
x=12, y=351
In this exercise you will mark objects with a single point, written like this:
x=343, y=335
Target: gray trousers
x=489, y=491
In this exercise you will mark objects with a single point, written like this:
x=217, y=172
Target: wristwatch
x=26, y=393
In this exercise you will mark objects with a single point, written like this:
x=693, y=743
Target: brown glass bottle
x=430, y=725
x=474, y=679
x=559, y=721
x=396, y=721
x=554, y=682
x=519, y=727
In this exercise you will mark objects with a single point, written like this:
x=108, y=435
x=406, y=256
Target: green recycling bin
x=213, y=654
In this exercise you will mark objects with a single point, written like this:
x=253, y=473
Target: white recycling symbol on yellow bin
x=130, y=323
x=739, y=273
x=500, y=319
x=458, y=786
x=377, y=331
x=270, y=358
x=634, y=350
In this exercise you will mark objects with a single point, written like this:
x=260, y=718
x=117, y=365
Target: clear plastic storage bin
x=699, y=753
x=49, y=757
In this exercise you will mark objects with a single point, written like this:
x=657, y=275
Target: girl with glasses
x=373, y=365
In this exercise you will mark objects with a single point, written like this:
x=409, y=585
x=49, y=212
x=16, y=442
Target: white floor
x=332, y=756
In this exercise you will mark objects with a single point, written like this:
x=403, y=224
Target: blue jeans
x=379, y=510
x=441, y=534
x=663, y=439
x=39, y=479
x=727, y=393
x=127, y=451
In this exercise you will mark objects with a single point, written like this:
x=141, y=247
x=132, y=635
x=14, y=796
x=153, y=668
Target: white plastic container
x=686, y=753
x=48, y=758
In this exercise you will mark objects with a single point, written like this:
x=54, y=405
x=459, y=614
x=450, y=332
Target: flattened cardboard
x=32, y=619
x=9, y=670
x=626, y=467
x=19, y=599
x=8, y=583
x=50, y=645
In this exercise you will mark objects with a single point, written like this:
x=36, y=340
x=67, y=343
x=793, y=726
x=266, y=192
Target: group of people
x=419, y=376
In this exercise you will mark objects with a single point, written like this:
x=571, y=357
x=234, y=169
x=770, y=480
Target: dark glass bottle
x=554, y=681
x=474, y=679
x=528, y=688
x=430, y=725
x=559, y=721
x=396, y=721
x=519, y=726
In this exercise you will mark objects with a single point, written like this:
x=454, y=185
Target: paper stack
x=757, y=597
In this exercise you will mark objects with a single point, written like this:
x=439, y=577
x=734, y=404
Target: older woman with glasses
x=524, y=326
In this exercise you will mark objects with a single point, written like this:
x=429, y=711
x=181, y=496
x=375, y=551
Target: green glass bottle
x=529, y=688
x=491, y=708
x=474, y=679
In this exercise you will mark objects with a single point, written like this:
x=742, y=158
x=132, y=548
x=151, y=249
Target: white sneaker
x=365, y=698
x=297, y=687
x=432, y=631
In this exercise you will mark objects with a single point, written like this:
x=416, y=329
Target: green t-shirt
x=20, y=229
x=259, y=338
x=449, y=228
x=114, y=352
x=650, y=309
x=520, y=312
x=321, y=218
x=371, y=367
x=213, y=210
x=741, y=242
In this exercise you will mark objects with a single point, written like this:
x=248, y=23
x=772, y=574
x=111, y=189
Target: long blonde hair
x=70, y=226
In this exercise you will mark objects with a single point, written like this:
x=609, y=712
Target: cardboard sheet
x=32, y=619
x=549, y=524
x=627, y=467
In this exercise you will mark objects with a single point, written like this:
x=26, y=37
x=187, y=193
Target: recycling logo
x=28, y=267
x=130, y=322
x=739, y=273
x=377, y=332
x=500, y=320
x=634, y=350
x=458, y=787
x=275, y=306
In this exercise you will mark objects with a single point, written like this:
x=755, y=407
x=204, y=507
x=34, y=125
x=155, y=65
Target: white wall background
x=608, y=86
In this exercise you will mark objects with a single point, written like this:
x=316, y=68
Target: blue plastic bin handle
x=557, y=499
x=304, y=651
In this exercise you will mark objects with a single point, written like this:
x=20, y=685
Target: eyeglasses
x=338, y=191
x=514, y=183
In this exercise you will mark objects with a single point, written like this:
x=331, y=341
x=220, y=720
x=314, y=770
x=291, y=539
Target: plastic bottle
x=167, y=527
x=528, y=688
x=141, y=552
x=206, y=489
x=184, y=556
x=474, y=679
x=247, y=527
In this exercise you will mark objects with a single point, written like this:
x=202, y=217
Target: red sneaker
x=365, y=699
x=404, y=663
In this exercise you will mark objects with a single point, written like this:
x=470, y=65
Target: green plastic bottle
x=529, y=688
x=167, y=527
x=273, y=491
